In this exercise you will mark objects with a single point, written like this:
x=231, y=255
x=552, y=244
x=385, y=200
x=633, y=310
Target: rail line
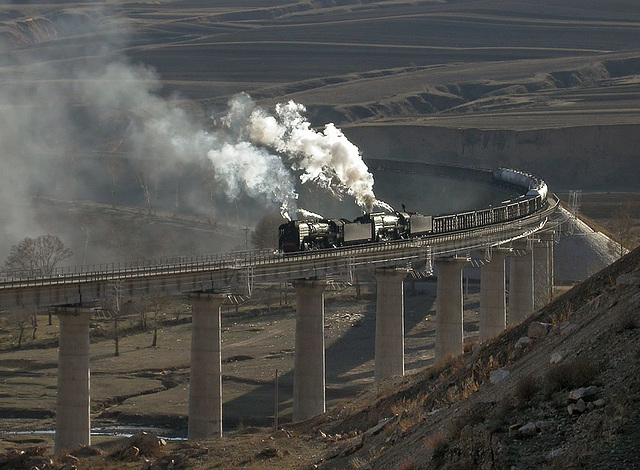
x=236, y=272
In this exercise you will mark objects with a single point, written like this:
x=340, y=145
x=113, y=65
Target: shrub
x=472, y=417
x=628, y=321
x=571, y=375
x=526, y=389
x=563, y=315
x=408, y=465
x=357, y=462
x=440, y=449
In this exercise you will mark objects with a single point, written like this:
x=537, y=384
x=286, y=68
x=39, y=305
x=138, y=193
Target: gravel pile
x=583, y=253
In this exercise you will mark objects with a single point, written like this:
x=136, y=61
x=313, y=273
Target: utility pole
x=246, y=238
x=276, y=404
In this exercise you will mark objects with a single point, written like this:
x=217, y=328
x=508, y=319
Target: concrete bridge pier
x=520, y=282
x=205, y=384
x=309, y=359
x=389, y=346
x=73, y=426
x=449, y=307
x=493, y=300
x=543, y=270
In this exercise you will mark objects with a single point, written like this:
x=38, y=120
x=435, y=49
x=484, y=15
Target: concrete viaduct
x=527, y=243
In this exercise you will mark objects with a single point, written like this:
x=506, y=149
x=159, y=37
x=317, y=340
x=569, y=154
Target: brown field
x=459, y=58
x=148, y=387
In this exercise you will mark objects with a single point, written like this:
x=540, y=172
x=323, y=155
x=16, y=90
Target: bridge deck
x=237, y=271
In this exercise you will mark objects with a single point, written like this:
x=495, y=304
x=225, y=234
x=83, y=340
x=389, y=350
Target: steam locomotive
x=315, y=234
x=301, y=235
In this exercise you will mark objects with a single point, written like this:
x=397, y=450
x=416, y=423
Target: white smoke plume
x=243, y=167
x=326, y=158
x=169, y=136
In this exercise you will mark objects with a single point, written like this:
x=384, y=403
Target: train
x=316, y=234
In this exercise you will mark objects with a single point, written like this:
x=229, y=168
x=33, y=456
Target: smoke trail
x=383, y=205
x=79, y=121
x=67, y=115
x=243, y=167
x=326, y=158
x=309, y=214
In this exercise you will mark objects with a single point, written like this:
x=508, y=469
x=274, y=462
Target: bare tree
x=116, y=328
x=180, y=171
x=112, y=305
x=37, y=255
x=34, y=324
x=87, y=224
x=158, y=305
x=265, y=234
x=145, y=191
x=622, y=227
x=125, y=238
x=20, y=318
x=116, y=168
x=209, y=181
x=147, y=173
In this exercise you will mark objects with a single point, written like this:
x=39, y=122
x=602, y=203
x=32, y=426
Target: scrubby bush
x=571, y=375
x=408, y=465
x=440, y=449
x=628, y=321
x=526, y=389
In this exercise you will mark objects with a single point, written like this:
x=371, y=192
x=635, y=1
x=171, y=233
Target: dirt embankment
x=22, y=31
x=598, y=157
x=558, y=391
x=484, y=94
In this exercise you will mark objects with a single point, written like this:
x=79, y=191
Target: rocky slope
x=558, y=391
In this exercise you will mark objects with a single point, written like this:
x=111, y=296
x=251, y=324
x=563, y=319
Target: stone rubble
x=531, y=429
x=381, y=425
x=538, y=330
x=555, y=453
x=281, y=433
x=583, y=399
x=498, y=375
x=523, y=342
x=584, y=392
x=31, y=458
x=140, y=445
x=556, y=358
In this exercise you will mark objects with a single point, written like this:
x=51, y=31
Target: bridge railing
x=136, y=268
